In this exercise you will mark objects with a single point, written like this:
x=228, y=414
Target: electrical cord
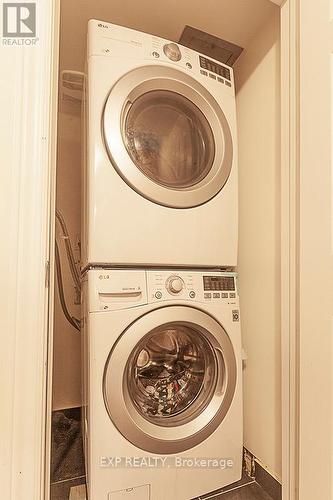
x=69, y=250
x=71, y=319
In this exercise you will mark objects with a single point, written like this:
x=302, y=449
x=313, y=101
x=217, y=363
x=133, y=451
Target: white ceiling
x=233, y=20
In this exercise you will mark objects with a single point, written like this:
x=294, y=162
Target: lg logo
x=19, y=20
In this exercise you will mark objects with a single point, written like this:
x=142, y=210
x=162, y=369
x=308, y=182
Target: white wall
x=258, y=108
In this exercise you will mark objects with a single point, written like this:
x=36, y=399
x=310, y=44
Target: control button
x=158, y=294
x=216, y=295
x=219, y=79
x=156, y=54
x=207, y=295
x=174, y=284
x=232, y=295
x=227, y=83
x=171, y=50
x=192, y=294
x=212, y=76
x=203, y=72
x=189, y=65
x=224, y=295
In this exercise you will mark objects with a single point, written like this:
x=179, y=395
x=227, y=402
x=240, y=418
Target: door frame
x=26, y=475
x=29, y=100
x=290, y=151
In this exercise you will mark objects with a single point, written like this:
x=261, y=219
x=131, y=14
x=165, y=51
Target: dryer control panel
x=125, y=44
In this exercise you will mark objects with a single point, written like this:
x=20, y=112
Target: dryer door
x=170, y=379
x=167, y=137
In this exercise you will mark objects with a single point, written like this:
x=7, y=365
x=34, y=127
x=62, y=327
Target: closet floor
x=252, y=491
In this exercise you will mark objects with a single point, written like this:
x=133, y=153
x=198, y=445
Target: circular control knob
x=171, y=50
x=174, y=284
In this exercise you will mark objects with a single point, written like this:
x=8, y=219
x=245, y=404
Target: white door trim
x=27, y=195
x=54, y=77
x=290, y=246
x=316, y=251
x=28, y=114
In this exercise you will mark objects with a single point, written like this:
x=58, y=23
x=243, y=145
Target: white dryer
x=160, y=182
x=162, y=383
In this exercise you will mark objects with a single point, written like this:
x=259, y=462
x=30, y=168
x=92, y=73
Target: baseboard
x=269, y=483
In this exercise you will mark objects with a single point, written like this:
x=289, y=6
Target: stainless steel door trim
x=133, y=426
x=203, y=396
x=148, y=78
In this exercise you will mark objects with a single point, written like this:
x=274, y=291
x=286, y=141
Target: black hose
x=71, y=319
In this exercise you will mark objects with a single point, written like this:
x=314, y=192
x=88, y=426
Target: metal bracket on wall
x=72, y=85
x=211, y=46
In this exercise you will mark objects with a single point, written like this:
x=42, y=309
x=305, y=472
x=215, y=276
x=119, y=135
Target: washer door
x=167, y=137
x=170, y=379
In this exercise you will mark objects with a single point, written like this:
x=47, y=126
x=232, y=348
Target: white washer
x=160, y=183
x=162, y=383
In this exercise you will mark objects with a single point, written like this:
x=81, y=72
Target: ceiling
x=236, y=21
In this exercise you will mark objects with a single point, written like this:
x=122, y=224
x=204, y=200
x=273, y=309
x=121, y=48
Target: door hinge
x=47, y=274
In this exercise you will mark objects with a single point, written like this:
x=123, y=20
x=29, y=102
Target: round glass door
x=171, y=374
x=169, y=139
x=170, y=379
x=167, y=136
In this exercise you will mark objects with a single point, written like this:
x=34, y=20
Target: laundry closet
x=254, y=26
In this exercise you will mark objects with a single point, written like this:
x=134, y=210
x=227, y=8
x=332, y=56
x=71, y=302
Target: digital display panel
x=213, y=67
x=219, y=283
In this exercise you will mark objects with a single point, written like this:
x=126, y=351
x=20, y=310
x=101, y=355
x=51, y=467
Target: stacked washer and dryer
x=161, y=336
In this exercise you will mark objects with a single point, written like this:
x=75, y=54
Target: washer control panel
x=198, y=286
x=115, y=289
x=174, y=284
x=219, y=283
